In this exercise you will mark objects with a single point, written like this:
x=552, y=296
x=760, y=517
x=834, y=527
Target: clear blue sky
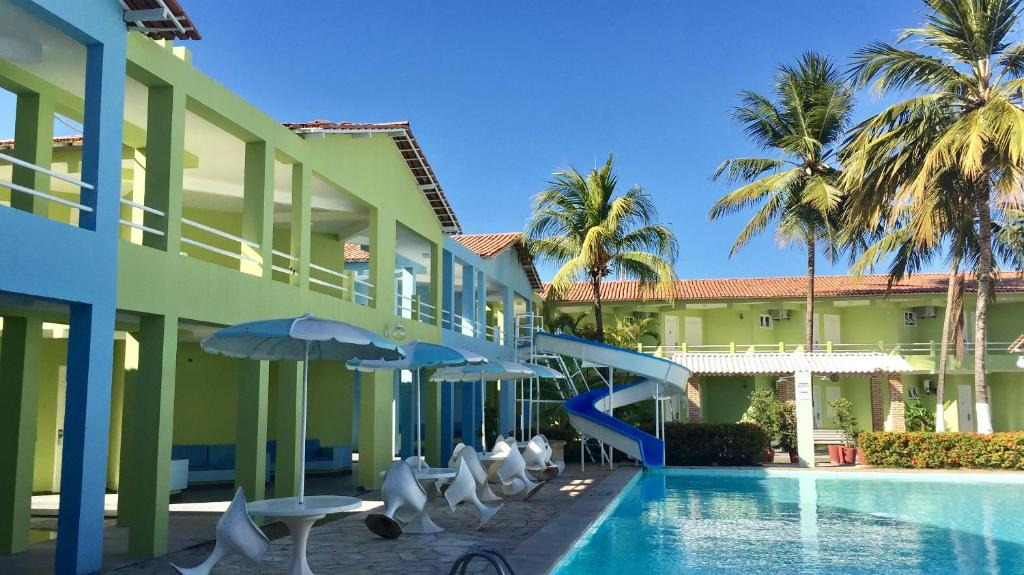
x=500, y=94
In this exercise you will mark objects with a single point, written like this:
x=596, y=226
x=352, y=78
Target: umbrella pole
x=302, y=438
x=419, y=440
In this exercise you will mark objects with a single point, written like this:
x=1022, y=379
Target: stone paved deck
x=532, y=534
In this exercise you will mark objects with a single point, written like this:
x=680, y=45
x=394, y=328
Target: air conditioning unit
x=925, y=311
x=778, y=314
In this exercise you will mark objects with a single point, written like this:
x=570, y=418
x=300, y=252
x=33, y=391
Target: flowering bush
x=925, y=450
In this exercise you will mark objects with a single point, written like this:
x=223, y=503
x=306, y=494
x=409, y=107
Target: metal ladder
x=526, y=327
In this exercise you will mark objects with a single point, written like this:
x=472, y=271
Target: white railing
x=287, y=257
x=432, y=315
x=142, y=207
x=356, y=294
x=413, y=308
x=334, y=274
x=903, y=348
x=45, y=195
x=241, y=241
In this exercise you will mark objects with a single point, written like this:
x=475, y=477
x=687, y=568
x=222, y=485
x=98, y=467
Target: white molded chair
x=472, y=461
x=538, y=459
x=514, y=479
x=405, y=501
x=500, y=448
x=236, y=535
x=463, y=488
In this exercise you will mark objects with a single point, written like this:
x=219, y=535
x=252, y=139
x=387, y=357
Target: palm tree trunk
x=598, y=318
x=981, y=318
x=810, y=290
x=947, y=326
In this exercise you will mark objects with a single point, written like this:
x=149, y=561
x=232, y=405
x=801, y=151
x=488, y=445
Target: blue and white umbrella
x=421, y=355
x=494, y=371
x=300, y=339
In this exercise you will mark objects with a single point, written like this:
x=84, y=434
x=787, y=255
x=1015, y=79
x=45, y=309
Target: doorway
x=671, y=338
x=58, y=443
x=965, y=407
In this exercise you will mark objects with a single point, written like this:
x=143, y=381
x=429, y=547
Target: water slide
x=588, y=411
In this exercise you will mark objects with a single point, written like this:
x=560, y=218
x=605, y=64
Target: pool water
x=679, y=521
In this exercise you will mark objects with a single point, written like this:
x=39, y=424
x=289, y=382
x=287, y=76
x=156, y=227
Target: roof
x=411, y=152
x=1018, y=345
x=489, y=245
x=785, y=363
x=355, y=253
x=181, y=28
x=72, y=140
x=777, y=288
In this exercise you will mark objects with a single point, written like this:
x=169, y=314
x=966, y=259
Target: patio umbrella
x=420, y=355
x=493, y=371
x=300, y=339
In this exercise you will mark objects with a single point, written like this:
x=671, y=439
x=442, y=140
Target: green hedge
x=714, y=443
x=928, y=450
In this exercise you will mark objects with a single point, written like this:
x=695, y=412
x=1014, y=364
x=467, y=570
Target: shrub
x=787, y=427
x=927, y=450
x=918, y=417
x=842, y=414
x=714, y=443
x=765, y=410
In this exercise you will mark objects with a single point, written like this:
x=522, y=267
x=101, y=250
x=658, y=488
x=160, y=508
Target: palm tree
x=580, y=224
x=796, y=190
x=966, y=118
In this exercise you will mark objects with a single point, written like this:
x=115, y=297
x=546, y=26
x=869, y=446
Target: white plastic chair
x=236, y=535
x=538, y=459
x=405, y=501
x=514, y=480
x=472, y=461
x=463, y=489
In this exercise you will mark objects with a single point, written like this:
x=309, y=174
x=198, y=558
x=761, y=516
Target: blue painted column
x=468, y=296
x=470, y=413
x=447, y=421
x=507, y=397
x=447, y=288
x=91, y=338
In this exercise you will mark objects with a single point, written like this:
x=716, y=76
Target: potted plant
x=764, y=411
x=842, y=414
x=787, y=430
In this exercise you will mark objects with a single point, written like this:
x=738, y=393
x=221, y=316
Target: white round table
x=300, y=517
x=488, y=457
x=433, y=473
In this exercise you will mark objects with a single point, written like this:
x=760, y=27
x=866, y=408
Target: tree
x=965, y=118
x=579, y=223
x=803, y=122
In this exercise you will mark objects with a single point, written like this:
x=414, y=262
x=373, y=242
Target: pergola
x=795, y=371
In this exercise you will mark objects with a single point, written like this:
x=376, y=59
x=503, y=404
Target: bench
x=829, y=437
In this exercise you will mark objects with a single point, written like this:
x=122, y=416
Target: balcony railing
x=415, y=308
x=901, y=348
x=136, y=208
x=46, y=195
x=237, y=255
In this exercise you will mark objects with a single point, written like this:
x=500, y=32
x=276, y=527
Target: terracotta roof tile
x=489, y=245
x=775, y=288
x=355, y=253
x=411, y=152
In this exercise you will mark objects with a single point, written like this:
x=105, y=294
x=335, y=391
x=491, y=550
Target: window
x=765, y=321
x=909, y=318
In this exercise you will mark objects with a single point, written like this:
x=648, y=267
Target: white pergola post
x=804, y=418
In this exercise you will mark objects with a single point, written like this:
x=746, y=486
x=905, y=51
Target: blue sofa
x=216, y=463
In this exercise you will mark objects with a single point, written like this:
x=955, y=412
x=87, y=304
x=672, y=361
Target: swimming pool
x=738, y=521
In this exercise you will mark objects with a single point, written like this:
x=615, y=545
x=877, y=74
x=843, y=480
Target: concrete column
x=302, y=184
x=154, y=401
x=258, y=208
x=447, y=289
x=447, y=427
x=165, y=165
x=694, y=407
x=804, y=418
x=126, y=483
x=507, y=399
x=20, y=362
x=251, y=431
x=289, y=429
x=406, y=416
x=480, y=315
x=376, y=425
x=436, y=283
x=382, y=259
x=116, y=416
x=33, y=142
